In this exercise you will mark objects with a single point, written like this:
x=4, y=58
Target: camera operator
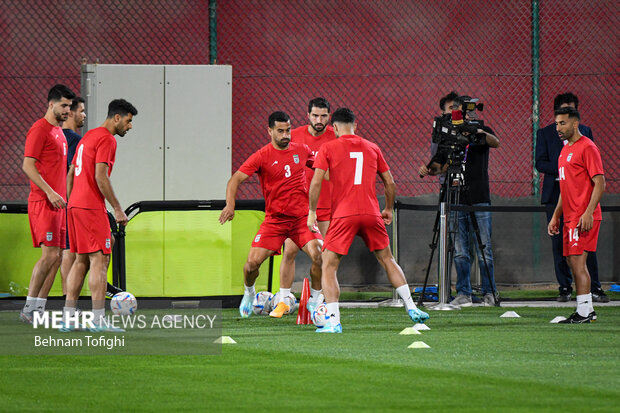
x=475, y=192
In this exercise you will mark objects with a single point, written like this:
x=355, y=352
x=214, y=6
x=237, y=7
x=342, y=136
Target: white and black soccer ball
x=291, y=301
x=320, y=316
x=261, y=305
x=123, y=304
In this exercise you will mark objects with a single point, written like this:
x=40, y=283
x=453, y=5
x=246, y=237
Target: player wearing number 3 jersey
x=353, y=164
x=582, y=184
x=280, y=166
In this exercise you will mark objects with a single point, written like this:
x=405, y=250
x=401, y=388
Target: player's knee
x=251, y=265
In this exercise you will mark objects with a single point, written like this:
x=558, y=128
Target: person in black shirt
x=476, y=193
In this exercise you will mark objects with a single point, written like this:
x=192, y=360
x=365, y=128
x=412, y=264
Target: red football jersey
x=282, y=176
x=47, y=144
x=353, y=164
x=301, y=135
x=577, y=164
x=97, y=146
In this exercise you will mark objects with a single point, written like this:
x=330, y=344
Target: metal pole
x=212, y=32
x=444, y=287
x=395, y=301
x=535, y=91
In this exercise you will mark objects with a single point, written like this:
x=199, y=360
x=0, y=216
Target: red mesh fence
x=390, y=61
x=43, y=43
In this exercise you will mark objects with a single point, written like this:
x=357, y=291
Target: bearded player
x=582, y=183
x=280, y=166
x=315, y=134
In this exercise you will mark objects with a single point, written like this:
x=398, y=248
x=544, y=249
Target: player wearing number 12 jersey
x=280, y=166
x=45, y=164
x=353, y=164
x=582, y=183
x=315, y=134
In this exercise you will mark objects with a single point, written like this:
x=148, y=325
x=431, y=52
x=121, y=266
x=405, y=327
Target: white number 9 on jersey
x=78, y=160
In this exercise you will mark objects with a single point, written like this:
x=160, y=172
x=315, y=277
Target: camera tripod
x=449, y=196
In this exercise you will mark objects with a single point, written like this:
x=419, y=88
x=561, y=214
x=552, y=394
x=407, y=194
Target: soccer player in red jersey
x=353, y=164
x=280, y=166
x=88, y=186
x=314, y=135
x=45, y=164
x=582, y=183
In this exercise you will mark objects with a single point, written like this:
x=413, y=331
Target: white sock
x=67, y=312
x=40, y=304
x=99, y=316
x=404, y=293
x=250, y=290
x=584, y=304
x=30, y=304
x=314, y=295
x=334, y=311
x=284, y=292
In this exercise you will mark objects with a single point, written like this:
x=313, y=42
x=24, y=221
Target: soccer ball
x=320, y=316
x=291, y=301
x=262, y=303
x=123, y=304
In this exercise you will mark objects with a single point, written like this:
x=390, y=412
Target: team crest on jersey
x=49, y=236
x=257, y=238
x=570, y=155
x=107, y=242
x=296, y=158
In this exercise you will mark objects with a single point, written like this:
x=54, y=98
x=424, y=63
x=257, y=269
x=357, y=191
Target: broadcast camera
x=454, y=132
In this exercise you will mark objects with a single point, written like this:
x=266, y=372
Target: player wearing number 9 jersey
x=88, y=186
x=353, y=164
x=582, y=183
x=280, y=166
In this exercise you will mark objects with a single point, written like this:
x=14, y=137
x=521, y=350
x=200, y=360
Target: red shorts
x=273, y=232
x=342, y=231
x=323, y=214
x=48, y=225
x=576, y=241
x=89, y=231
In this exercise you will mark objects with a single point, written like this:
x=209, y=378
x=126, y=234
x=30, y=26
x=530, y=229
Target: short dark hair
x=450, y=96
x=318, y=103
x=76, y=101
x=568, y=110
x=57, y=92
x=343, y=115
x=278, y=116
x=567, y=98
x=121, y=107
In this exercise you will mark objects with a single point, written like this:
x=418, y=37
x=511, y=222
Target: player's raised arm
x=390, y=195
x=228, y=213
x=314, y=192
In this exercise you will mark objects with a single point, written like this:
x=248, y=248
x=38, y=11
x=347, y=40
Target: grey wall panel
x=138, y=173
x=198, y=130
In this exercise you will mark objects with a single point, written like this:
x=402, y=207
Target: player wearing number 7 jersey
x=280, y=166
x=582, y=184
x=353, y=164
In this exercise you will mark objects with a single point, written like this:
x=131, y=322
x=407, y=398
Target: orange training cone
x=303, y=315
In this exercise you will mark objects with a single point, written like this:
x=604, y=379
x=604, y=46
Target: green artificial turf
x=477, y=362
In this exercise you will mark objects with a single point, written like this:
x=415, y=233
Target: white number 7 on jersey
x=359, y=164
